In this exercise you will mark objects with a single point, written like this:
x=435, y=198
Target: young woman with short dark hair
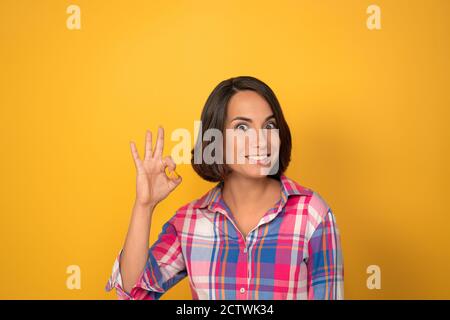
x=257, y=234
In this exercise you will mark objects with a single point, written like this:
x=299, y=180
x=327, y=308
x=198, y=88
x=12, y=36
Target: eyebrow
x=250, y=120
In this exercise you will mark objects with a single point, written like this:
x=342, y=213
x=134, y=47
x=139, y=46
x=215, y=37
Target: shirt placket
x=244, y=244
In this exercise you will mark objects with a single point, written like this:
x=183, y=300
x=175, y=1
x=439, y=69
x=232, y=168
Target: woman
x=255, y=235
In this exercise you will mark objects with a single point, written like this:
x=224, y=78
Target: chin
x=252, y=171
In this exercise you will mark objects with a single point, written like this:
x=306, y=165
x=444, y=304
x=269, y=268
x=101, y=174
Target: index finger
x=159, y=142
x=148, y=145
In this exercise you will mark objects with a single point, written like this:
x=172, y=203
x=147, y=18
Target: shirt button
x=242, y=290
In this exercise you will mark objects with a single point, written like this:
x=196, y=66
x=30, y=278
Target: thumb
x=174, y=182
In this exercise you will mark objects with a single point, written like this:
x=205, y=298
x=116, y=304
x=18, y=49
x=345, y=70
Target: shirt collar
x=212, y=199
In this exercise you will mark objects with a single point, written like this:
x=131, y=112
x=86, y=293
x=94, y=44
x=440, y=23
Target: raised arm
x=152, y=186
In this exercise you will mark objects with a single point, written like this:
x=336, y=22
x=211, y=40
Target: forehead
x=249, y=104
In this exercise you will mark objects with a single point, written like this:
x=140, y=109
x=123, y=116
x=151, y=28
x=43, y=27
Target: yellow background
x=368, y=110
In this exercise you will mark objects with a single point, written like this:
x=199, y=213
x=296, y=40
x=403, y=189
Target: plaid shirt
x=293, y=253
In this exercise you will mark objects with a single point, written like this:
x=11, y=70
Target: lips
x=258, y=157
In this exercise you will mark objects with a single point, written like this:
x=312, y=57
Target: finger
x=173, y=183
x=137, y=160
x=159, y=143
x=171, y=166
x=148, y=145
x=168, y=161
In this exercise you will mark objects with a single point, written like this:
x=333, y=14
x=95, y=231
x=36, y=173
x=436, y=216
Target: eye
x=241, y=126
x=271, y=125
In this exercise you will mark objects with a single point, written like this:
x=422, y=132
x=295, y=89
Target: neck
x=240, y=191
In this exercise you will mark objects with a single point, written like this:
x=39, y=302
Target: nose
x=261, y=141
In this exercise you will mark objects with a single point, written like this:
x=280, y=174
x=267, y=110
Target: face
x=251, y=135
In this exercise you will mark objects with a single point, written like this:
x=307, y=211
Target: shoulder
x=182, y=213
x=189, y=211
x=306, y=201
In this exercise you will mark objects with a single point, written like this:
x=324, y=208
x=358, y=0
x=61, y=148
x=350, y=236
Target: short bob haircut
x=214, y=115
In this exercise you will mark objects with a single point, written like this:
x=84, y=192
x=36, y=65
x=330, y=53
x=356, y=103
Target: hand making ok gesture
x=152, y=183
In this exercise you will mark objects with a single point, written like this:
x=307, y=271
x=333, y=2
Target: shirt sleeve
x=325, y=263
x=164, y=268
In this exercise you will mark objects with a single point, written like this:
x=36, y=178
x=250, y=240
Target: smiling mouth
x=258, y=158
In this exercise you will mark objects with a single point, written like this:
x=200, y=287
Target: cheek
x=236, y=146
x=240, y=144
x=273, y=140
x=244, y=144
